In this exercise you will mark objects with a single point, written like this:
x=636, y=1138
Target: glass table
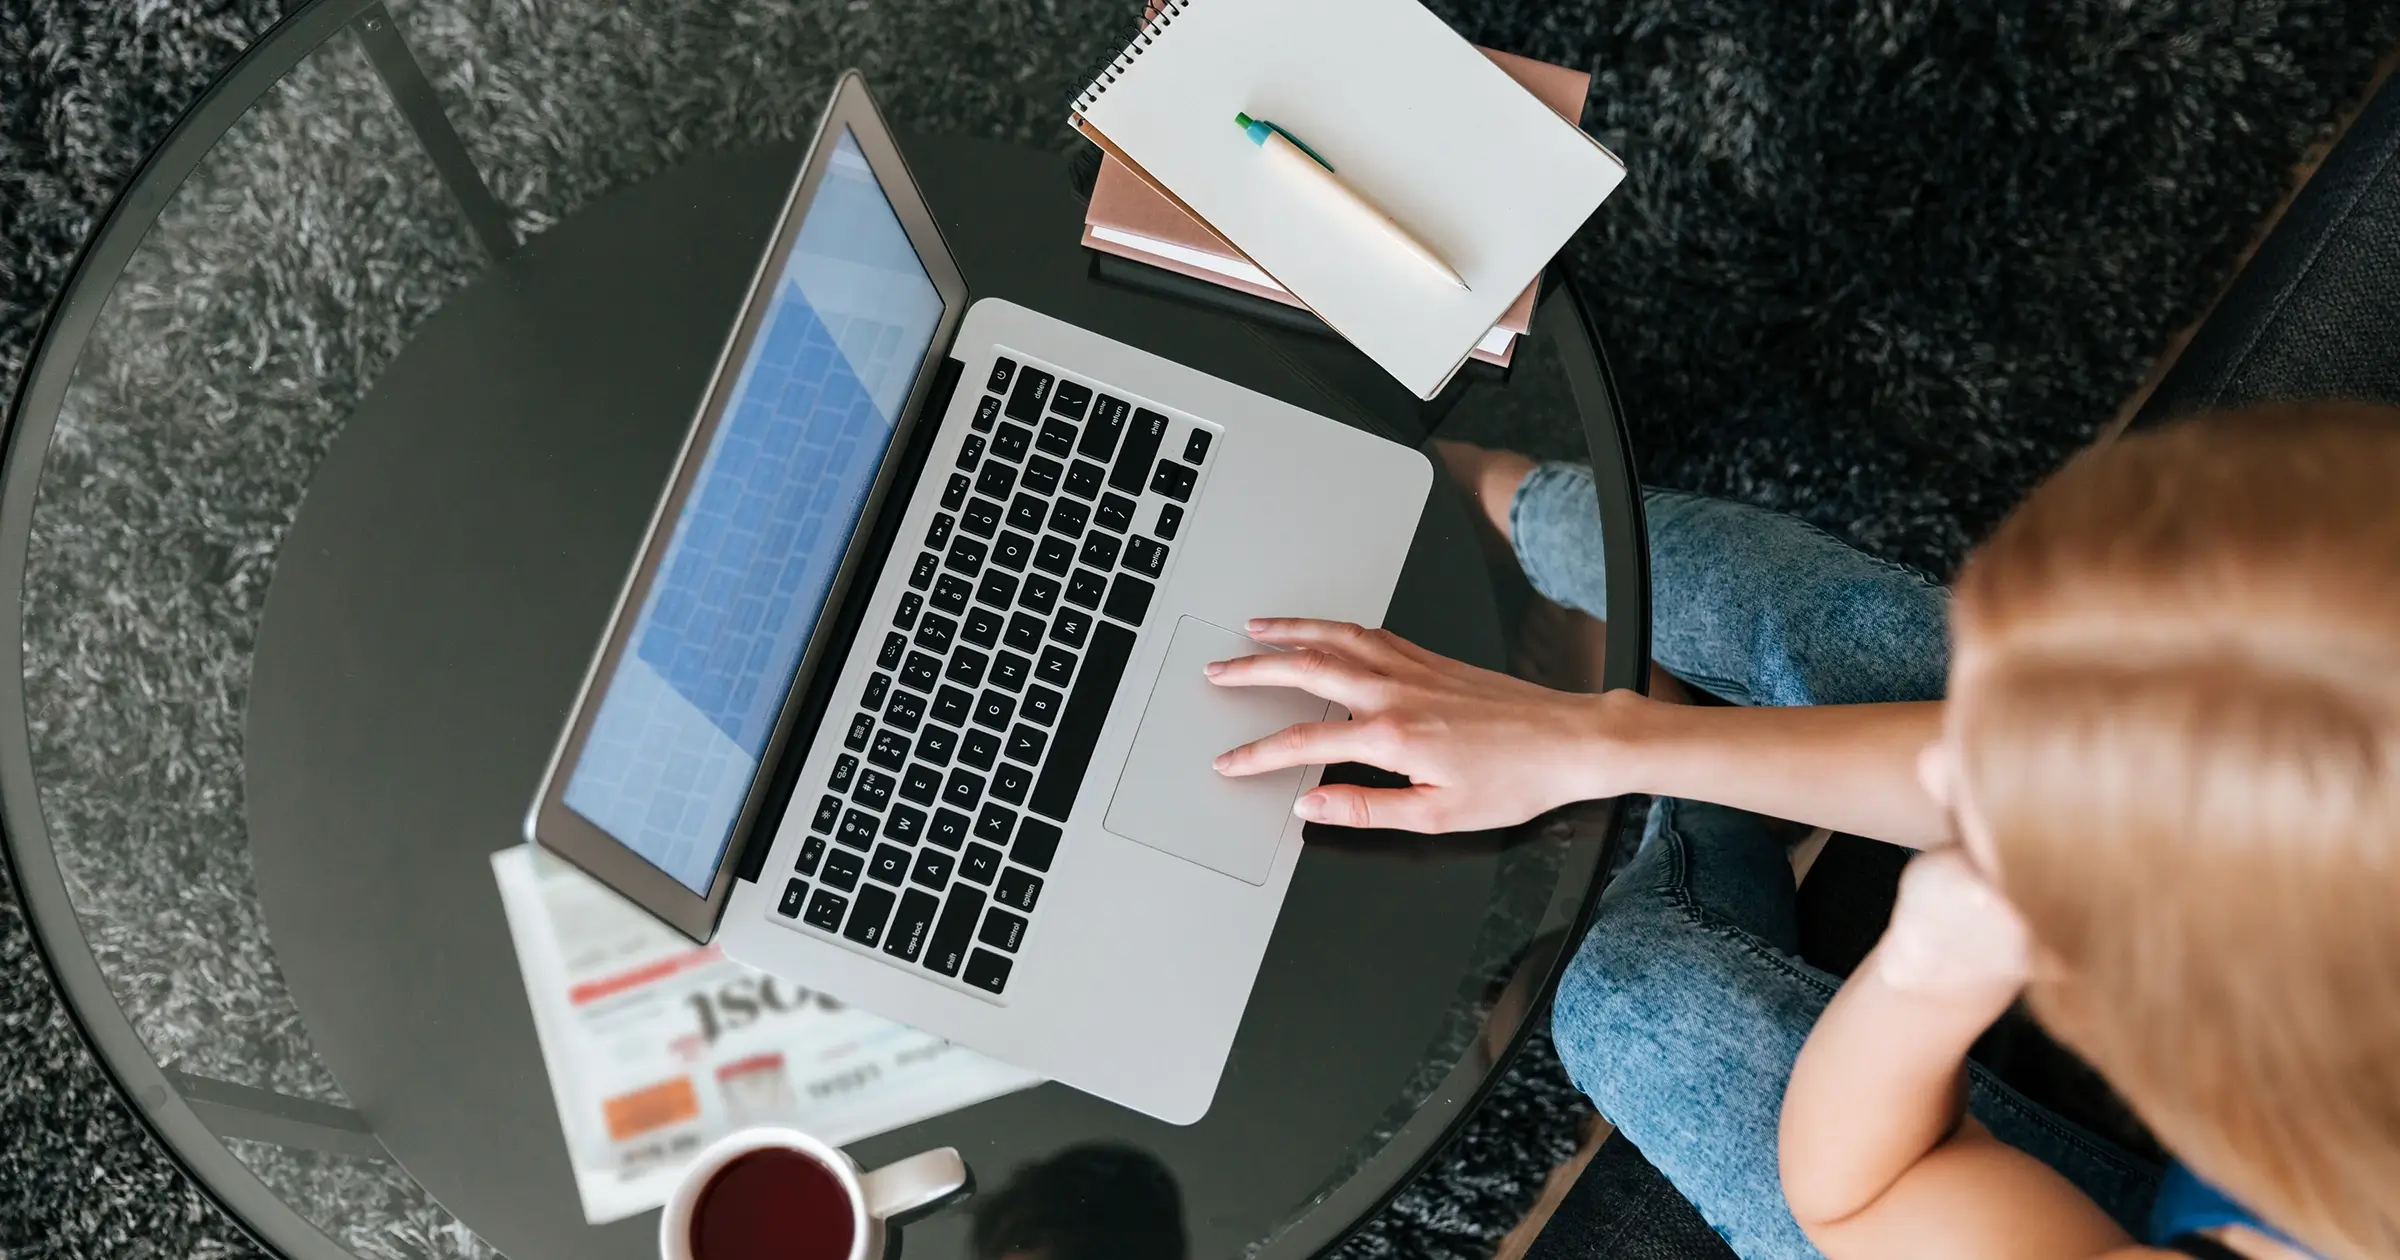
x=326, y=472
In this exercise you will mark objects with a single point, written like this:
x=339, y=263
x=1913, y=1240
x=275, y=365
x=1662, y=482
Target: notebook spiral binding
x=1168, y=11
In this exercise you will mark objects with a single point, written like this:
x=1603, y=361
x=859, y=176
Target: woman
x=1684, y=1011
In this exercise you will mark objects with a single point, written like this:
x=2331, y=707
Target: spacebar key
x=1079, y=724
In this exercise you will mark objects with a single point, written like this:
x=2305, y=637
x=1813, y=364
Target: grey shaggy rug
x=1880, y=263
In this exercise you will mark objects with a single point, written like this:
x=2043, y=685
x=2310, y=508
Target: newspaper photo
x=656, y=1047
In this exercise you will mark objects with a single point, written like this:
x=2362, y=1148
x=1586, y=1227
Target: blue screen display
x=688, y=712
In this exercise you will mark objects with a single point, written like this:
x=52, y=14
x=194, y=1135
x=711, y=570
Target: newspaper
x=656, y=1047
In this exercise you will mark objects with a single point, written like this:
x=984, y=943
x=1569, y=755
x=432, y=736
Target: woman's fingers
x=1308, y=744
x=1395, y=809
x=1321, y=674
x=1376, y=649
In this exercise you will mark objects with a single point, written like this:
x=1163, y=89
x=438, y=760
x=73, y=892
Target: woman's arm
x=1488, y=750
x=1879, y=1157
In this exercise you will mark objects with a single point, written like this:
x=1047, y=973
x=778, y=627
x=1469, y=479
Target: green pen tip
x=1242, y=120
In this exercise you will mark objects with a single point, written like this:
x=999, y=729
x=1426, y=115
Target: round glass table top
x=322, y=484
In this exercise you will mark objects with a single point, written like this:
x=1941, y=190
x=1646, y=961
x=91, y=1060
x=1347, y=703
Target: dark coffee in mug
x=773, y=1204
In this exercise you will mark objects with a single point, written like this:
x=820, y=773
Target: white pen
x=1287, y=151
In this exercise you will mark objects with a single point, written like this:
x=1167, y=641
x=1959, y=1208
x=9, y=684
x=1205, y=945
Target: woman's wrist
x=1619, y=740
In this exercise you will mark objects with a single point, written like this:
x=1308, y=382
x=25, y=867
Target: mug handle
x=914, y=1184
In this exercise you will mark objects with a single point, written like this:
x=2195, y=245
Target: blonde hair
x=2178, y=708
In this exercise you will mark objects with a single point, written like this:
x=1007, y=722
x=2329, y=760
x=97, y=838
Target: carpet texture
x=1878, y=263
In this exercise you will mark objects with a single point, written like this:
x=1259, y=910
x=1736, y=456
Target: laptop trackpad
x=1171, y=798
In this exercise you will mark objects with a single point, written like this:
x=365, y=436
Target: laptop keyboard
x=931, y=839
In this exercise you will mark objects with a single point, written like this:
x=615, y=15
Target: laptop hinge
x=814, y=701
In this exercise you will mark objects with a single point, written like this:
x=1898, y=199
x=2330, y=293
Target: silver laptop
x=903, y=699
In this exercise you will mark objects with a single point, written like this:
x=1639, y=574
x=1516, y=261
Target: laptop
x=903, y=699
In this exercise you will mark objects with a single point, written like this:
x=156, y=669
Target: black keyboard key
x=1002, y=368
x=906, y=937
x=949, y=828
x=954, y=932
x=994, y=710
x=1086, y=589
x=952, y=705
x=980, y=864
x=927, y=565
x=1018, y=888
x=1071, y=626
x=889, y=865
x=1011, y=443
x=1175, y=480
x=933, y=869
x=845, y=769
x=858, y=829
x=1146, y=556
x=1026, y=742
x=1170, y=519
x=906, y=710
x=1100, y=550
x=825, y=910
x=967, y=664
x=874, y=789
x=966, y=556
x=862, y=729
x=1041, y=705
x=868, y=916
x=996, y=480
x=893, y=646
x=982, y=629
x=937, y=744
x=1042, y=474
x=1078, y=730
x=999, y=590
x=1195, y=447
x=1057, y=438
x=938, y=534
x=1037, y=843
x=1025, y=632
x=794, y=900
x=1009, y=671
x=1116, y=513
x=1141, y=446
x=987, y=971
x=951, y=592
x=1056, y=555
x=954, y=493
x=1028, y=513
x=987, y=410
x=890, y=750
x=1010, y=783
x=1012, y=551
x=1002, y=930
x=933, y=634
x=842, y=869
x=1067, y=518
x=1129, y=599
x=812, y=852
x=920, y=784
x=981, y=749
x=921, y=671
x=1107, y=425
x=981, y=518
x=878, y=686
x=964, y=790
x=1084, y=479
x=1070, y=398
x=1032, y=393
x=994, y=823
x=905, y=616
x=829, y=812
x=969, y=452
x=1057, y=666
x=904, y=825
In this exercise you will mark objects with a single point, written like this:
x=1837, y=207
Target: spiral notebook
x=1407, y=112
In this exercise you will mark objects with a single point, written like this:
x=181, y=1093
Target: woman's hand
x=1952, y=931
x=1481, y=749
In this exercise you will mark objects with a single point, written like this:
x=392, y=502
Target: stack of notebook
x=1132, y=220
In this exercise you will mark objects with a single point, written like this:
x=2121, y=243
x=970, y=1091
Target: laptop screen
x=688, y=712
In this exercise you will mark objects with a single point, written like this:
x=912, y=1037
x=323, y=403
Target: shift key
x=956, y=931
x=1132, y=470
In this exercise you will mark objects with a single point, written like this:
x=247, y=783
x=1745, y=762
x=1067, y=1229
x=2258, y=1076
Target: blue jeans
x=1685, y=1007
